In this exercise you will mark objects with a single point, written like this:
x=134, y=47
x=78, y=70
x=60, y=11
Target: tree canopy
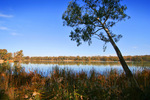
x=4, y=55
x=18, y=55
x=90, y=17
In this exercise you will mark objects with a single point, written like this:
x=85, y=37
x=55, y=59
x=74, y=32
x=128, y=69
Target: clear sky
x=36, y=27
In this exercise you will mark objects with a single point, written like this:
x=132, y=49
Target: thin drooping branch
x=97, y=30
x=100, y=38
x=97, y=38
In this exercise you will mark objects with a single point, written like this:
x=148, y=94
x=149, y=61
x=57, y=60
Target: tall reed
x=63, y=84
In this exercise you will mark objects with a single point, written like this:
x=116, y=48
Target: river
x=99, y=67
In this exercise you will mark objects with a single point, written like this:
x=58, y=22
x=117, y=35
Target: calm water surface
x=76, y=67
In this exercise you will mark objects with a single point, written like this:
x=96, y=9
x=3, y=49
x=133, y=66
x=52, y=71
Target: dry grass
x=16, y=84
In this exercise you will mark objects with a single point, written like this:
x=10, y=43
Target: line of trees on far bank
x=87, y=58
x=18, y=56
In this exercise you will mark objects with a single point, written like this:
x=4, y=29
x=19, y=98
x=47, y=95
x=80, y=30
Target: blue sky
x=36, y=27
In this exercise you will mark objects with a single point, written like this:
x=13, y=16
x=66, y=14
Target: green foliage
x=18, y=55
x=4, y=55
x=89, y=17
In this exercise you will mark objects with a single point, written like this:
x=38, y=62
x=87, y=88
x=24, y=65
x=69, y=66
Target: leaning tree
x=90, y=18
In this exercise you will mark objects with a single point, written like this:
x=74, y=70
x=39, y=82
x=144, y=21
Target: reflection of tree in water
x=17, y=68
x=8, y=69
x=131, y=64
x=5, y=68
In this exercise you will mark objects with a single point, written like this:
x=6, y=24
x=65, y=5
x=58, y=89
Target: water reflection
x=104, y=63
x=99, y=67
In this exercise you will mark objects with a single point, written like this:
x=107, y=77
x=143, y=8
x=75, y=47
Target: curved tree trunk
x=122, y=61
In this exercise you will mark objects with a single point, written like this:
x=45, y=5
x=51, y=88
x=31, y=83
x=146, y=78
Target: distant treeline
x=87, y=58
x=18, y=56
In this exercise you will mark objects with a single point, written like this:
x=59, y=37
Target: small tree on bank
x=93, y=17
x=18, y=56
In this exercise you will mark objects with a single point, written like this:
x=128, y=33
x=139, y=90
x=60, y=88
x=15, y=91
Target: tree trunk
x=122, y=61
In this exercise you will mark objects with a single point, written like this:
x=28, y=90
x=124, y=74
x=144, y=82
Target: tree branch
x=106, y=20
x=107, y=16
x=99, y=36
x=97, y=30
x=96, y=12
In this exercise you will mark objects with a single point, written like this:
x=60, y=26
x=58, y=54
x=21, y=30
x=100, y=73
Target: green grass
x=16, y=84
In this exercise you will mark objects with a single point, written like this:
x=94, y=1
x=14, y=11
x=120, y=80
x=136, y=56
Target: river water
x=99, y=67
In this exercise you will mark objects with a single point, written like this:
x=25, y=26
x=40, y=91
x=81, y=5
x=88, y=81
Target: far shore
x=2, y=61
x=10, y=61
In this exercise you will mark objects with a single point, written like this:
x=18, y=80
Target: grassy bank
x=16, y=84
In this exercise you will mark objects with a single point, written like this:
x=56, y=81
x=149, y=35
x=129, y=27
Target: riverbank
x=66, y=85
x=2, y=61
